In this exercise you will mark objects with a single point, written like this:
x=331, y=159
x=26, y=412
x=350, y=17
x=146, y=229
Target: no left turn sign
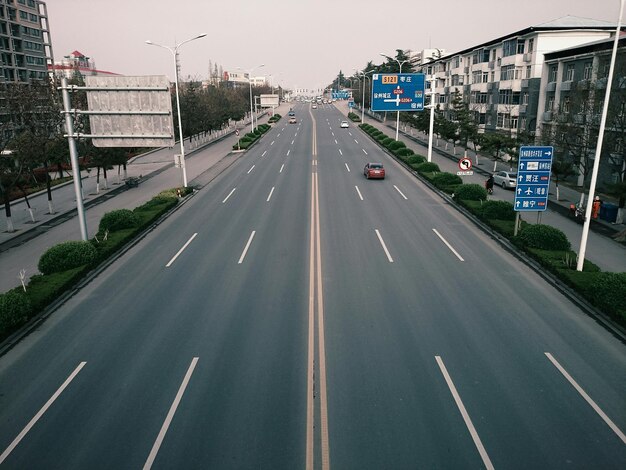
x=465, y=164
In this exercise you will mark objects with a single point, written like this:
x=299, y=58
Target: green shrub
x=404, y=153
x=396, y=145
x=15, y=308
x=251, y=136
x=502, y=210
x=544, y=237
x=471, y=192
x=386, y=141
x=67, y=255
x=415, y=160
x=442, y=180
x=354, y=117
x=608, y=292
x=427, y=167
x=117, y=220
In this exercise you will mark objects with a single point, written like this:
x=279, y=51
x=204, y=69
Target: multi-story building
x=77, y=62
x=571, y=97
x=500, y=79
x=25, y=47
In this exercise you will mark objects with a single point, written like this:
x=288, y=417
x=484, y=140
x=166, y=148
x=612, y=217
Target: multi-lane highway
x=295, y=315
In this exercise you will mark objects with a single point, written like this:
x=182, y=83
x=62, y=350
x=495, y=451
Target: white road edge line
x=448, y=245
x=382, y=242
x=347, y=167
x=270, y=195
x=364, y=151
x=251, y=168
x=281, y=168
x=181, y=250
x=170, y=415
x=359, y=192
x=468, y=421
x=587, y=398
x=229, y=195
x=245, y=250
x=401, y=193
x=41, y=412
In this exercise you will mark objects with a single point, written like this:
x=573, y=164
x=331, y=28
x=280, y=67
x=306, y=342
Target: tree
x=497, y=145
x=561, y=169
x=466, y=130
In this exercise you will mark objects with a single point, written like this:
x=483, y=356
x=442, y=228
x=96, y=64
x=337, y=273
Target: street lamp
x=365, y=77
x=596, y=161
x=250, y=82
x=174, y=52
x=400, y=64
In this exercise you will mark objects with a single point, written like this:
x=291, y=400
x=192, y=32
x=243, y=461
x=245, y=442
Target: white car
x=506, y=179
x=344, y=124
x=314, y=106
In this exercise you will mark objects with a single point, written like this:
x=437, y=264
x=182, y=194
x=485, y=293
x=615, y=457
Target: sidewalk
x=601, y=248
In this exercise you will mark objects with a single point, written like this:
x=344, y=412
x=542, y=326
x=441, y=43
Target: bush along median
x=64, y=265
x=275, y=118
x=354, y=117
x=545, y=244
x=251, y=137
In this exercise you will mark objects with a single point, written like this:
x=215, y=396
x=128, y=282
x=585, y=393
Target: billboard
x=269, y=101
x=398, y=92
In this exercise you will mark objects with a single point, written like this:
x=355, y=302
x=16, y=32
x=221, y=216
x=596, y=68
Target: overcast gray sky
x=302, y=43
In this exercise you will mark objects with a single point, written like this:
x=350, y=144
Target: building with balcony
x=500, y=78
x=25, y=46
x=77, y=62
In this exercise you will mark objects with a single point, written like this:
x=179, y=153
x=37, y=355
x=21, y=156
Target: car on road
x=314, y=106
x=291, y=113
x=374, y=170
x=344, y=124
x=292, y=120
x=505, y=179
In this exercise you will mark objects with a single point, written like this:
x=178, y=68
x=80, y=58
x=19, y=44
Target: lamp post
x=596, y=161
x=365, y=77
x=400, y=64
x=250, y=82
x=174, y=52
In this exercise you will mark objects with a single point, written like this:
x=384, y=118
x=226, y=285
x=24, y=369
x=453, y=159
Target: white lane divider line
x=356, y=141
x=359, y=193
x=281, y=168
x=292, y=141
x=229, y=195
x=350, y=133
x=288, y=152
x=587, y=398
x=332, y=133
x=364, y=151
x=283, y=129
x=340, y=152
x=245, y=250
x=468, y=421
x=272, y=142
x=336, y=142
x=382, y=242
x=40, y=413
x=270, y=195
x=263, y=154
x=347, y=167
x=296, y=134
x=170, y=415
x=251, y=168
x=401, y=193
x=278, y=135
x=448, y=245
x=181, y=250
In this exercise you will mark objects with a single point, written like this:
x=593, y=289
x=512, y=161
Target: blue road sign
x=351, y=104
x=533, y=178
x=340, y=95
x=398, y=92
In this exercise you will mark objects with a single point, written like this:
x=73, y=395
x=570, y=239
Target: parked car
x=345, y=124
x=374, y=170
x=506, y=179
x=292, y=120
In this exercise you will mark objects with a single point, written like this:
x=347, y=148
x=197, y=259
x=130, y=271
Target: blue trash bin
x=610, y=212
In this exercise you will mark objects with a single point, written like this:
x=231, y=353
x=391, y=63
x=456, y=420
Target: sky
x=302, y=43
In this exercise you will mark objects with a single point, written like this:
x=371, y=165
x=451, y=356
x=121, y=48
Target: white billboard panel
x=269, y=101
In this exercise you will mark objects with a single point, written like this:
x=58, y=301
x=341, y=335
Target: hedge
x=67, y=255
x=471, y=192
x=251, y=137
x=117, y=220
x=427, y=167
x=354, y=117
x=443, y=180
x=501, y=210
x=544, y=237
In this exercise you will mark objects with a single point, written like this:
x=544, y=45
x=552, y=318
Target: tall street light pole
x=400, y=64
x=363, y=93
x=249, y=71
x=596, y=161
x=174, y=52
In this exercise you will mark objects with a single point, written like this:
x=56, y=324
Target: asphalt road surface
x=295, y=315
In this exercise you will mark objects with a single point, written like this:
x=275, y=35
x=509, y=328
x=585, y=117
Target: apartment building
x=500, y=79
x=571, y=94
x=25, y=46
x=77, y=62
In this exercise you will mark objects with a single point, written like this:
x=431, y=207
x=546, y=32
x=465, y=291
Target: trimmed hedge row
x=251, y=137
x=65, y=264
x=546, y=244
x=275, y=118
x=354, y=117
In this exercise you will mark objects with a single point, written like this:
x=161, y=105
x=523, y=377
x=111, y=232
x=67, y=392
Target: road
x=295, y=315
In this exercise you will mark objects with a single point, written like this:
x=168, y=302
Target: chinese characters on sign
x=398, y=92
x=533, y=178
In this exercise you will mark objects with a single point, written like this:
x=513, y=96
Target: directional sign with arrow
x=398, y=92
x=533, y=178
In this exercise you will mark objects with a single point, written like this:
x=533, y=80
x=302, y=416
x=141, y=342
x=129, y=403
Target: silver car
x=506, y=179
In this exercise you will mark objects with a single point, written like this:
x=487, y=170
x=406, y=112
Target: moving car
x=292, y=120
x=374, y=170
x=291, y=113
x=344, y=124
x=314, y=106
x=506, y=179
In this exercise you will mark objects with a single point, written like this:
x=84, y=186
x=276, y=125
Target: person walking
x=595, y=207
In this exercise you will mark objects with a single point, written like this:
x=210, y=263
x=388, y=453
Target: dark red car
x=374, y=170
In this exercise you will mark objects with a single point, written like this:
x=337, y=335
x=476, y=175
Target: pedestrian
x=595, y=207
x=489, y=184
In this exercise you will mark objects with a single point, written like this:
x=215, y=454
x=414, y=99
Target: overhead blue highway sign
x=398, y=92
x=533, y=178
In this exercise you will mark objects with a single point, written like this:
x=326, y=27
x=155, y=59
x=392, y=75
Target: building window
x=476, y=77
x=33, y=18
x=565, y=105
x=528, y=71
x=531, y=45
x=485, y=77
x=587, y=70
x=522, y=125
x=525, y=97
x=520, y=46
x=493, y=76
x=23, y=15
x=550, y=103
x=507, y=72
x=553, y=71
x=509, y=47
x=568, y=74
x=457, y=62
x=514, y=121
